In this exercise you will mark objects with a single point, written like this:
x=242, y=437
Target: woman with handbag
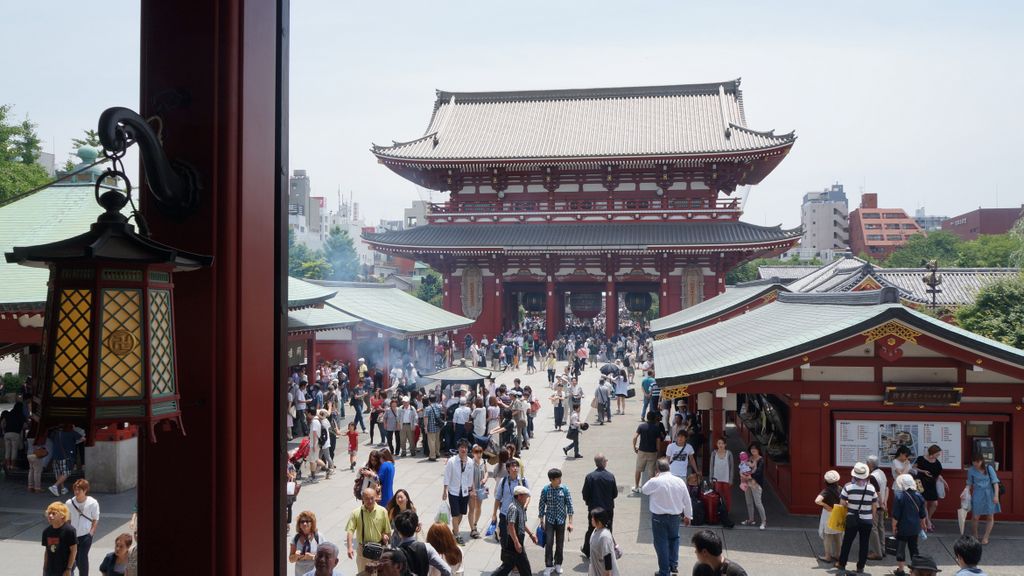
x=558, y=403
x=39, y=455
x=985, y=487
x=909, y=519
x=929, y=473
x=828, y=498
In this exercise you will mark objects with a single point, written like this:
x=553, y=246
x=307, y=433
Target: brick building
x=982, y=221
x=878, y=232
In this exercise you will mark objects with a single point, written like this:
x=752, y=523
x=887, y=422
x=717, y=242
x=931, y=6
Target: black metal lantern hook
x=174, y=184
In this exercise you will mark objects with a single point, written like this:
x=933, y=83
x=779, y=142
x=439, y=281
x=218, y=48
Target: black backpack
x=324, y=433
x=416, y=554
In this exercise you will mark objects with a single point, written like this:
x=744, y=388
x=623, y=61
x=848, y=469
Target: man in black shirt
x=710, y=560
x=646, y=450
x=60, y=541
x=599, y=491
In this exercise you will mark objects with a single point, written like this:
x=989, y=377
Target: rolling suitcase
x=723, y=514
x=699, y=517
x=711, y=501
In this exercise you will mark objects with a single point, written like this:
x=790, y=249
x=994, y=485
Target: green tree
x=92, y=138
x=989, y=251
x=938, y=245
x=430, y=289
x=315, y=268
x=341, y=255
x=997, y=312
x=19, y=150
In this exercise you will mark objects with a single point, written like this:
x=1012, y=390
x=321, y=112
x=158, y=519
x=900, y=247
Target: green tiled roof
x=302, y=293
x=55, y=213
x=733, y=297
x=392, y=310
x=794, y=325
x=316, y=319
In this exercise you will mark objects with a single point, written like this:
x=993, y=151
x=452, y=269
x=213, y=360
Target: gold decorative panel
x=71, y=353
x=891, y=328
x=121, y=368
x=161, y=345
x=674, y=392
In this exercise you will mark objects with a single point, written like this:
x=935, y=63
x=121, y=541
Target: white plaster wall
x=839, y=374
x=919, y=375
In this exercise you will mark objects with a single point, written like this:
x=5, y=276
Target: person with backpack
x=325, y=441
x=504, y=496
x=421, y=556
x=555, y=512
x=909, y=517
x=513, y=553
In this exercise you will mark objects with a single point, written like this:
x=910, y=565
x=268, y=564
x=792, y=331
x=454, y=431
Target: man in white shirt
x=680, y=455
x=85, y=516
x=459, y=419
x=314, y=443
x=458, y=482
x=669, y=499
x=407, y=416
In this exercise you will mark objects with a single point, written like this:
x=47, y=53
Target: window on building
x=908, y=226
x=875, y=237
x=892, y=226
x=896, y=237
x=873, y=226
x=871, y=216
x=893, y=216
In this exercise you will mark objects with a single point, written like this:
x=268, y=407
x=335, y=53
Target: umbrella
x=961, y=518
x=459, y=374
x=609, y=368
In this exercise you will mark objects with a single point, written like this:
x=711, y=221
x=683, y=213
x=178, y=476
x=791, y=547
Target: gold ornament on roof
x=891, y=328
x=675, y=392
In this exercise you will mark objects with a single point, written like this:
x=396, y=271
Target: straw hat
x=831, y=476
x=860, y=471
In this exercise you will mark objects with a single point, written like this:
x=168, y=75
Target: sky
x=912, y=100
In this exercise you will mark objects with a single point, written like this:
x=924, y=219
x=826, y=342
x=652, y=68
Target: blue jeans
x=665, y=532
x=643, y=410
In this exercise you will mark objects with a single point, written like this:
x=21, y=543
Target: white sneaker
x=558, y=568
x=54, y=490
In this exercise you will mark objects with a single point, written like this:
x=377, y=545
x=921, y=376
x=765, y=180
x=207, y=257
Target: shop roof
x=318, y=319
x=786, y=274
x=389, y=309
x=52, y=214
x=797, y=324
x=302, y=294
x=827, y=276
x=688, y=119
x=581, y=237
x=734, y=297
x=960, y=286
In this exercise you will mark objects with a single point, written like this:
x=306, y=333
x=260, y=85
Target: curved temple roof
x=581, y=237
x=672, y=121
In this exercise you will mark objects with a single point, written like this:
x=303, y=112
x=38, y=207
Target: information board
x=858, y=439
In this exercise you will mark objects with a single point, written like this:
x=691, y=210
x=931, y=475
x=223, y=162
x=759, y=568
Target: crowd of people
x=862, y=508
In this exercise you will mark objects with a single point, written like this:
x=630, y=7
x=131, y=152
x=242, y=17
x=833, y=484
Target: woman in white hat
x=908, y=518
x=861, y=502
x=827, y=498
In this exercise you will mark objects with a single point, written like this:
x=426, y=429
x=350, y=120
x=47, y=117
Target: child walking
x=353, y=445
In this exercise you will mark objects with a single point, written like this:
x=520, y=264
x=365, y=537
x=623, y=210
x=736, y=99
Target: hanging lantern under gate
x=585, y=304
x=534, y=301
x=638, y=302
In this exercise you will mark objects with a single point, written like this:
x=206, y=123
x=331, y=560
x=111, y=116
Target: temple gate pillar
x=611, y=307
x=551, y=317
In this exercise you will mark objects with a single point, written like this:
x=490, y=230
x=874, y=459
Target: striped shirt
x=433, y=418
x=859, y=499
x=555, y=504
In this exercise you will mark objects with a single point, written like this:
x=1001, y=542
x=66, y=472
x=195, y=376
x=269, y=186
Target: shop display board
x=858, y=439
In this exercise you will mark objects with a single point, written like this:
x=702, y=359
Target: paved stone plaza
x=787, y=547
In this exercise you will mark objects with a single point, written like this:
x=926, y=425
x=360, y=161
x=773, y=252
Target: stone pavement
x=786, y=548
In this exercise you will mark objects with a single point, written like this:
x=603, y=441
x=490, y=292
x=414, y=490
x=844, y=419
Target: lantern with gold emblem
x=108, y=338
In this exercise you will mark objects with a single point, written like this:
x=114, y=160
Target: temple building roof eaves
x=586, y=237
x=318, y=320
x=303, y=294
x=389, y=309
x=788, y=329
x=607, y=124
x=733, y=298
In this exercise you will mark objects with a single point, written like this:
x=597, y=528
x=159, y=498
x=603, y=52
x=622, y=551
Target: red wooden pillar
x=552, y=315
x=311, y=355
x=498, y=322
x=217, y=95
x=1017, y=457
x=611, y=308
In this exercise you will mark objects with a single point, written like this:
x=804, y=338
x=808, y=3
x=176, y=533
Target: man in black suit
x=599, y=491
